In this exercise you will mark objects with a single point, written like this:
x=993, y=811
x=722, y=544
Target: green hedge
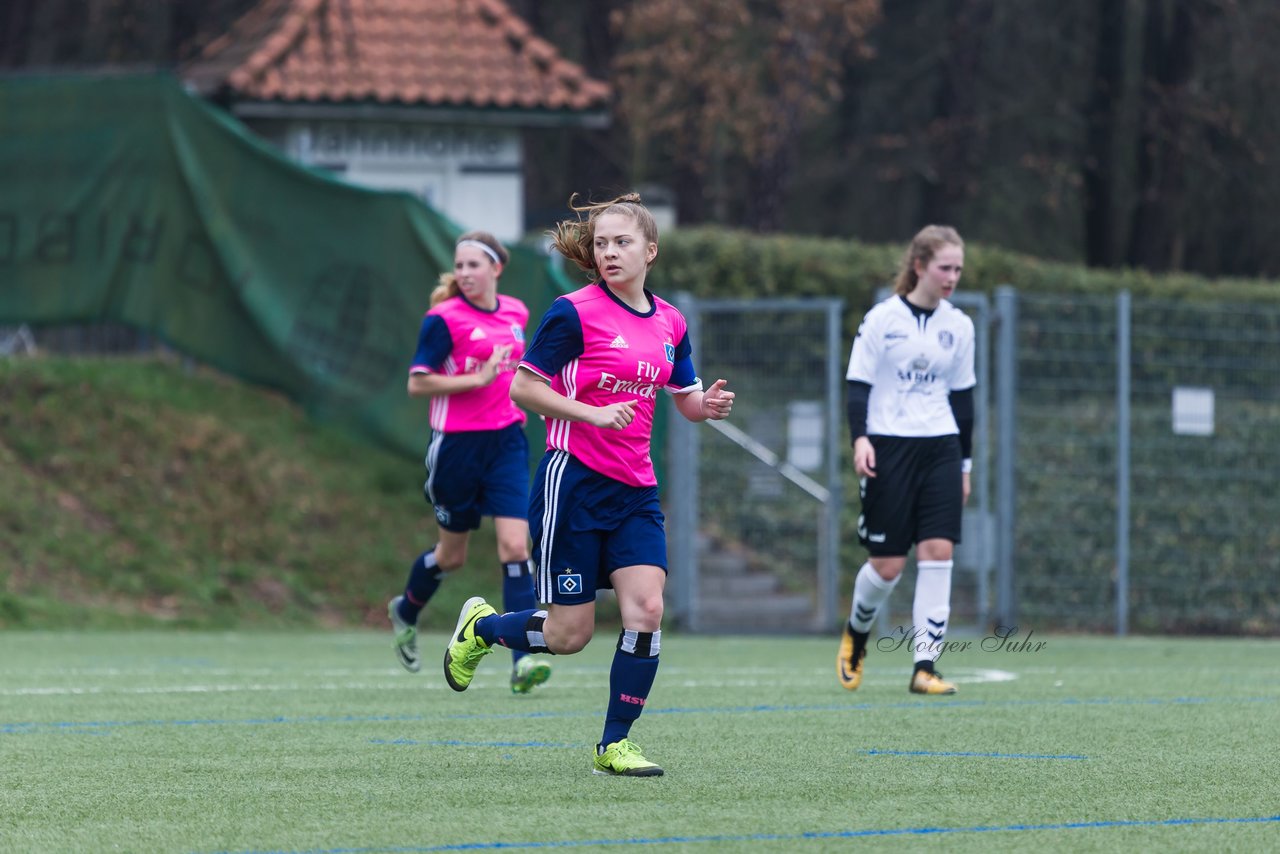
x=712, y=262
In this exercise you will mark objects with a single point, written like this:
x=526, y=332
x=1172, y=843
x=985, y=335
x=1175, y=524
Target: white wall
x=470, y=174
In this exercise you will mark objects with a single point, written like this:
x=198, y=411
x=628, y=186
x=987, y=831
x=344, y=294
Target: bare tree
x=711, y=82
x=1168, y=62
x=1100, y=171
x=85, y=34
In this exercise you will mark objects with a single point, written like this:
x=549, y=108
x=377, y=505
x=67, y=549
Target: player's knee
x=450, y=560
x=888, y=568
x=568, y=639
x=513, y=550
x=574, y=643
x=935, y=549
x=646, y=613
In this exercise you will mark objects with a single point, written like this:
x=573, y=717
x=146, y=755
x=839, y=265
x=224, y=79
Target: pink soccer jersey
x=457, y=338
x=593, y=348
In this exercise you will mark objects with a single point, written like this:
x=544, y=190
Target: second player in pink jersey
x=460, y=338
x=594, y=370
x=478, y=458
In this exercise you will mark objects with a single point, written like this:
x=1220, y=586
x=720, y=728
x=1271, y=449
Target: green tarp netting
x=126, y=199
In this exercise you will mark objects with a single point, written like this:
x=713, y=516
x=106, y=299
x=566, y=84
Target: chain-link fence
x=754, y=502
x=1148, y=467
x=92, y=339
x=1133, y=453
x=1131, y=447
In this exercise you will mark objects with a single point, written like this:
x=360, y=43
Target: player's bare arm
x=437, y=385
x=714, y=404
x=536, y=395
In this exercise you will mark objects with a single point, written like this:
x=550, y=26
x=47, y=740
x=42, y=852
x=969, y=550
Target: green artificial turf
x=204, y=742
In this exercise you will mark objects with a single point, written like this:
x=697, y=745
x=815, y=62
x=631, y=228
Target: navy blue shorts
x=477, y=473
x=585, y=525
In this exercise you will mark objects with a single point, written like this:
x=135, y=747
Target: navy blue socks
x=424, y=578
x=635, y=664
x=517, y=591
x=517, y=630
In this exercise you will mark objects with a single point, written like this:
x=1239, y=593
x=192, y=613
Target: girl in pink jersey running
x=594, y=369
x=478, y=458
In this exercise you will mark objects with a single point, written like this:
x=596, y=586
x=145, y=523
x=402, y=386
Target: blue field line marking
x=34, y=727
x=453, y=742
x=875, y=752
x=776, y=837
x=29, y=727
x=871, y=707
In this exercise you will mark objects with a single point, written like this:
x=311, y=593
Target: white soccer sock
x=931, y=608
x=869, y=592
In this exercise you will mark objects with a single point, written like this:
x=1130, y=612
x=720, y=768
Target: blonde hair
x=448, y=286
x=923, y=247
x=575, y=238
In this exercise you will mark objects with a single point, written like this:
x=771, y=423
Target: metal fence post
x=1124, y=368
x=830, y=553
x=981, y=497
x=1006, y=358
x=682, y=490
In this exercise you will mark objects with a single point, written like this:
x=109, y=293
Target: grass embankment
x=137, y=493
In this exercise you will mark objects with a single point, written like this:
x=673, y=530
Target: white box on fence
x=1192, y=411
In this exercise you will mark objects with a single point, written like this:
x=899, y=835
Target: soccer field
x=318, y=742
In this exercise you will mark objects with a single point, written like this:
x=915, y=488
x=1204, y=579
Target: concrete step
x=742, y=585
x=778, y=613
x=721, y=563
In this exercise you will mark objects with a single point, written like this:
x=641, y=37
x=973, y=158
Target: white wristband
x=966, y=466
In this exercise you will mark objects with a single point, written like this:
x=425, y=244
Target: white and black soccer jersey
x=913, y=361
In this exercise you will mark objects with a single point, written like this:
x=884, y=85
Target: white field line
x=754, y=677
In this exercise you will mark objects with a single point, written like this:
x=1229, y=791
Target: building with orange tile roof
x=428, y=96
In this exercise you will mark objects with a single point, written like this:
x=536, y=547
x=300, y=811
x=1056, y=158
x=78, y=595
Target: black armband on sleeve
x=962, y=409
x=859, y=394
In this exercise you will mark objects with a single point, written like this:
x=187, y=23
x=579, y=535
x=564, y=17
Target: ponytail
x=575, y=238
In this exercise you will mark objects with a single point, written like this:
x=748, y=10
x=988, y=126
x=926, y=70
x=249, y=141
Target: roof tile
x=418, y=52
